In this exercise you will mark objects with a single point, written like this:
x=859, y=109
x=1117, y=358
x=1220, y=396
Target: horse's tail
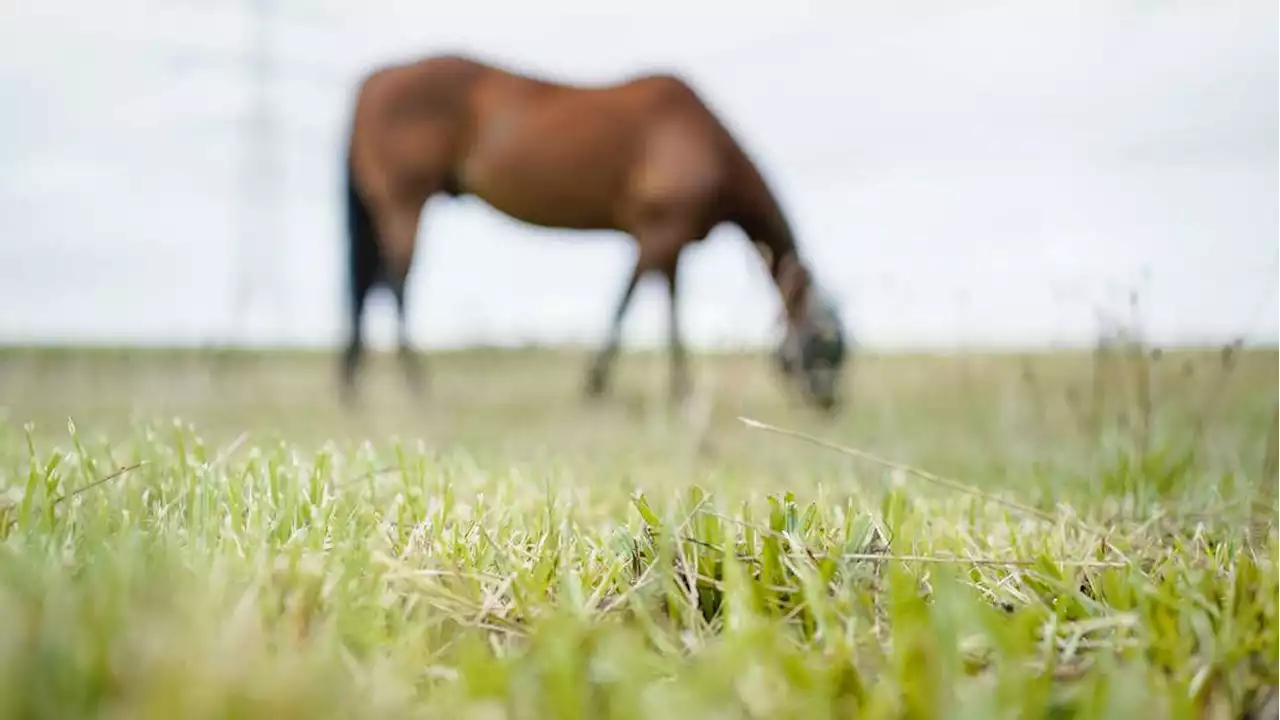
x=364, y=258
x=364, y=269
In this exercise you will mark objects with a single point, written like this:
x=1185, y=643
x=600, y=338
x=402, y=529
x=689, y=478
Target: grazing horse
x=645, y=157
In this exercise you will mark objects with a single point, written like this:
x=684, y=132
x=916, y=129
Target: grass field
x=1063, y=535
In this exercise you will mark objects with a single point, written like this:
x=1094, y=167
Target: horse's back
x=475, y=85
x=550, y=153
x=594, y=156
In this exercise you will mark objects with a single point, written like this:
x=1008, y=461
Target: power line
x=259, y=230
x=255, y=256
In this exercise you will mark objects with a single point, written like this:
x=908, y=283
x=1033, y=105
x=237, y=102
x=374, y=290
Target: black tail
x=364, y=270
x=364, y=258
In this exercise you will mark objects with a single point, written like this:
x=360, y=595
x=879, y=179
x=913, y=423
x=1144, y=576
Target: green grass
x=1051, y=536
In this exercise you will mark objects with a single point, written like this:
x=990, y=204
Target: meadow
x=1065, y=534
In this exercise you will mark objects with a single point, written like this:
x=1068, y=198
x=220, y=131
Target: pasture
x=1057, y=535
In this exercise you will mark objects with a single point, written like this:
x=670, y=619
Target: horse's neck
x=757, y=212
x=770, y=233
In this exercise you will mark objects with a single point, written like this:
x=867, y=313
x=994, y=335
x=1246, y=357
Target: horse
x=644, y=156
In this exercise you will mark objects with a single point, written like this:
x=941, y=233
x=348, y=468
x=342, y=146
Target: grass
x=982, y=536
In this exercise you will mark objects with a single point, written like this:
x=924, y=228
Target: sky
x=993, y=174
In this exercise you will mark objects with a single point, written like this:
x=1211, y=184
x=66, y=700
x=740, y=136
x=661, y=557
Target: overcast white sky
x=985, y=176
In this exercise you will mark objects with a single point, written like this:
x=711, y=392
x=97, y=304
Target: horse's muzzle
x=823, y=383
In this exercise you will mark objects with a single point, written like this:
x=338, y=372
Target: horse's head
x=812, y=353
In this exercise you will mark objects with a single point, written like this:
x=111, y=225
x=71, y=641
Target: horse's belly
x=549, y=197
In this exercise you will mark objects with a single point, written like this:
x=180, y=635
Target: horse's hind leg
x=399, y=224
x=361, y=284
x=410, y=362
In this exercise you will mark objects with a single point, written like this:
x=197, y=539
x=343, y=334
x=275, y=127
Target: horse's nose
x=822, y=386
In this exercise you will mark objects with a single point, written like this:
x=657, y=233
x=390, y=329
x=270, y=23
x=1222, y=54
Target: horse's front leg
x=680, y=382
x=598, y=374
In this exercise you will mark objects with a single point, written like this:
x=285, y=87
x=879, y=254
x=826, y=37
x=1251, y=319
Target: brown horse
x=645, y=157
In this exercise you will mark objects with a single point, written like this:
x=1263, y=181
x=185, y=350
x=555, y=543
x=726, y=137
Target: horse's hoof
x=594, y=387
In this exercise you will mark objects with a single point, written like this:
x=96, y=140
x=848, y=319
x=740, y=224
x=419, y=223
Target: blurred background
x=991, y=174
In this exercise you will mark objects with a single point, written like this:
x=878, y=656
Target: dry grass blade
x=100, y=481
x=225, y=454
x=8, y=522
x=957, y=560
x=891, y=557
x=922, y=474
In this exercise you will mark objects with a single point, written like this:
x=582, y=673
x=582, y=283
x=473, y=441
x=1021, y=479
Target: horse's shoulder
x=662, y=89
